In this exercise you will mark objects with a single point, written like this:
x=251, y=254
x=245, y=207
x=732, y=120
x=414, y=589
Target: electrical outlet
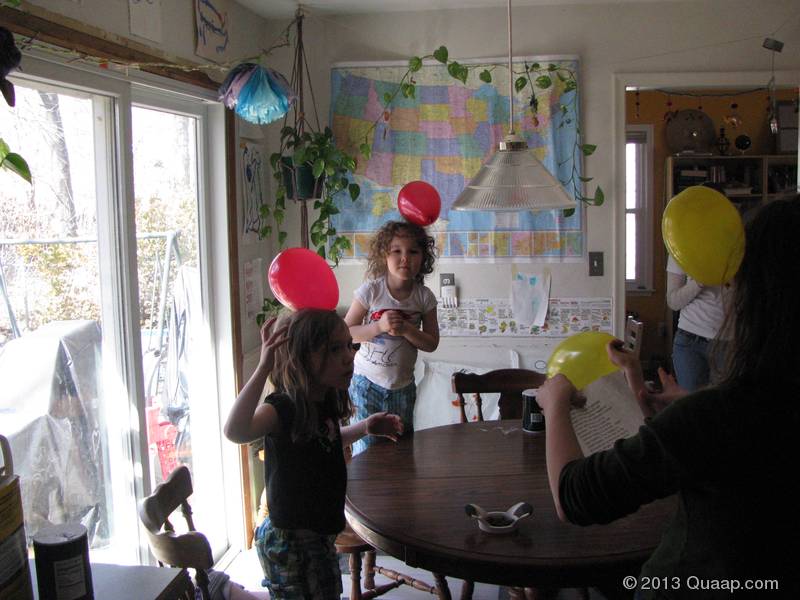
x=595, y=264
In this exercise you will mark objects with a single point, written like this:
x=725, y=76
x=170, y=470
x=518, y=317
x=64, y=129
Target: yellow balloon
x=703, y=232
x=582, y=358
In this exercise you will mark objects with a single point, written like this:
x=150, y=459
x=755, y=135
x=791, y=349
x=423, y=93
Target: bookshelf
x=746, y=180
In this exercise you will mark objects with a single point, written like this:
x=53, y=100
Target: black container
x=62, y=562
x=532, y=417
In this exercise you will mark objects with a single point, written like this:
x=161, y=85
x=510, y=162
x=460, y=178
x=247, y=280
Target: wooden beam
x=80, y=38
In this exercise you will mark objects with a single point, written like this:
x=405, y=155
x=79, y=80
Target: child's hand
x=556, y=391
x=385, y=322
x=385, y=425
x=392, y=322
x=269, y=341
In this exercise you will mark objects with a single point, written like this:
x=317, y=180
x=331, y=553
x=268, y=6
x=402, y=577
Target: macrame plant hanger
x=297, y=82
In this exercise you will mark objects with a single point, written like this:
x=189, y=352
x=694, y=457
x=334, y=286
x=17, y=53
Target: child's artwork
x=213, y=35
x=252, y=165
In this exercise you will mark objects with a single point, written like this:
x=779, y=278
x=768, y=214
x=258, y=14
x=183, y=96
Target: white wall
x=649, y=37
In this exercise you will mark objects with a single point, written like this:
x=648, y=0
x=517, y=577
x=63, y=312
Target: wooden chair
x=634, y=330
x=510, y=383
x=188, y=550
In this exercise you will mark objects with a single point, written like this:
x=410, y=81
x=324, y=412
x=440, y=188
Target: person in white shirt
x=702, y=312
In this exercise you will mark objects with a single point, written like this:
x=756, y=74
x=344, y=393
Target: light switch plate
x=595, y=264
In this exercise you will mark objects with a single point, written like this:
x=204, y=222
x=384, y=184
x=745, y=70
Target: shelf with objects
x=746, y=180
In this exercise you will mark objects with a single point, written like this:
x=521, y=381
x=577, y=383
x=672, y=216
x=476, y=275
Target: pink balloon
x=300, y=278
x=419, y=202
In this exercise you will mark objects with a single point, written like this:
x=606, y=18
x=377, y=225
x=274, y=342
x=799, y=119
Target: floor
x=246, y=570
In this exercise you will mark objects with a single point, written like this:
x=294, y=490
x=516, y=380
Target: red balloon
x=419, y=202
x=300, y=278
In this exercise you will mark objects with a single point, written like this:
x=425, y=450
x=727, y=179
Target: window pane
x=52, y=399
x=177, y=362
x=630, y=246
x=632, y=175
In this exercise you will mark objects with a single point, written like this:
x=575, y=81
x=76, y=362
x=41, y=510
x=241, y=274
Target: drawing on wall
x=252, y=161
x=211, y=24
x=145, y=19
x=443, y=135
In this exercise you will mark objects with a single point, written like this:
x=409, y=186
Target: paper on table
x=530, y=295
x=611, y=413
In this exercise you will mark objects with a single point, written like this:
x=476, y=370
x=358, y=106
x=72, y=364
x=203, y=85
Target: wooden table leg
x=442, y=591
x=355, y=576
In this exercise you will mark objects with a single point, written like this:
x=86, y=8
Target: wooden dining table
x=407, y=499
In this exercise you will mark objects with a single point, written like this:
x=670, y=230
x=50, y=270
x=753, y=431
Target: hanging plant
x=310, y=167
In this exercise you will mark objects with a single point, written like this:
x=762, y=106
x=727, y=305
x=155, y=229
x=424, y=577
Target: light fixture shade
x=513, y=179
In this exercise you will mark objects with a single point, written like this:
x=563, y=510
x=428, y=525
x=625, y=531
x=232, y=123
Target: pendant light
x=513, y=179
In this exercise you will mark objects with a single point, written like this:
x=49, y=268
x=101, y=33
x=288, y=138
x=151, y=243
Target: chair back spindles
x=509, y=383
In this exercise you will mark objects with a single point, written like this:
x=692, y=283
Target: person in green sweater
x=729, y=451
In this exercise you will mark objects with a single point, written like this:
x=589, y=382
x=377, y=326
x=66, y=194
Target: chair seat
x=347, y=542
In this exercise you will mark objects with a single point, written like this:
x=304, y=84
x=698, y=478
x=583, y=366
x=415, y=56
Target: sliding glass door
x=106, y=335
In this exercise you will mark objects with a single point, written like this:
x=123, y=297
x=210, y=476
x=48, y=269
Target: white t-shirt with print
x=388, y=360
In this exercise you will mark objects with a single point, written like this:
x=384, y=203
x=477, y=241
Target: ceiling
x=281, y=9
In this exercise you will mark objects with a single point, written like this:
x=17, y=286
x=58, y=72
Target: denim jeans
x=691, y=360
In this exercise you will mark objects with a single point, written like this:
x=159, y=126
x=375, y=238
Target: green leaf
x=278, y=216
x=485, y=76
x=520, y=84
x=543, y=82
x=535, y=67
x=264, y=210
x=273, y=159
x=551, y=67
x=14, y=162
x=321, y=251
x=265, y=231
x=588, y=149
x=355, y=191
x=414, y=64
x=4, y=150
x=586, y=179
x=458, y=71
x=568, y=212
x=599, y=197
x=366, y=150
x=387, y=97
x=318, y=168
x=570, y=85
x=441, y=54
x=281, y=238
x=299, y=156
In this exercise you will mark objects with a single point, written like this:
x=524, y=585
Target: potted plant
x=310, y=167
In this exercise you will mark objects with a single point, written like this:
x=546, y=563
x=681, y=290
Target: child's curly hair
x=379, y=248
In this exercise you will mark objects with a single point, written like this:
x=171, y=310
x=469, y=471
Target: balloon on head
x=703, y=232
x=419, y=202
x=300, y=278
x=582, y=358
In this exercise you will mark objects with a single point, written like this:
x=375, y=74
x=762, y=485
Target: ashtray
x=497, y=521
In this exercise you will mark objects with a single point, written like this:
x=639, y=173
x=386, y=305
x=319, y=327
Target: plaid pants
x=298, y=563
x=370, y=398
